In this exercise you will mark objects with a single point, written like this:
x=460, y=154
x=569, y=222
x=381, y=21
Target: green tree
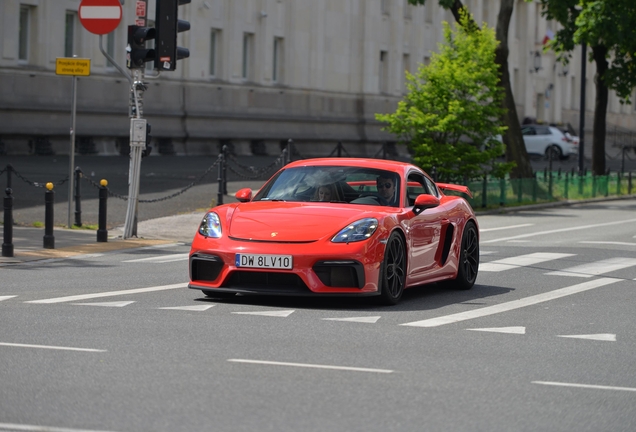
x=608, y=27
x=450, y=114
x=515, y=146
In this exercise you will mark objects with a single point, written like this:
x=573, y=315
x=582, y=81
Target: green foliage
x=611, y=23
x=450, y=115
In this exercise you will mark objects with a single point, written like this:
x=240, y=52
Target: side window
x=432, y=187
x=416, y=186
x=527, y=131
x=543, y=130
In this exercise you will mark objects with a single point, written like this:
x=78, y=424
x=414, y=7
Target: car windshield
x=341, y=184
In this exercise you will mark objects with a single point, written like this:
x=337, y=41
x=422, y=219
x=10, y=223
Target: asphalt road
x=544, y=341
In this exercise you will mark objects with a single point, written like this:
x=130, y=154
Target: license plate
x=264, y=261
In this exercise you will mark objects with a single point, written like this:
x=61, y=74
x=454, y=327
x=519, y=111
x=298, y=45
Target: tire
x=468, y=264
x=393, y=271
x=553, y=151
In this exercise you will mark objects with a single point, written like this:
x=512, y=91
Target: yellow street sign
x=72, y=66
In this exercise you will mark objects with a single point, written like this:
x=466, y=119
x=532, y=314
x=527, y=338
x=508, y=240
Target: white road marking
x=283, y=313
x=50, y=347
x=197, y=308
x=511, y=330
x=483, y=252
x=309, y=365
x=609, y=243
x=515, y=304
x=107, y=304
x=596, y=268
x=576, y=228
x=588, y=386
x=161, y=258
x=521, y=261
x=369, y=319
x=7, y=297
x=34, y=428
x=599, y=337
x=481, y=230
x=109, y=294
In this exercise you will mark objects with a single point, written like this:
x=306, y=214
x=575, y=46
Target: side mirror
x=425, y=201
x=244, y=195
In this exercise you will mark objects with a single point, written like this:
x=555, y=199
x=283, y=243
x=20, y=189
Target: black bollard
x=78, y=197
x=102, y=232
x=49, y=200
x=219, y=196
x=7, y=246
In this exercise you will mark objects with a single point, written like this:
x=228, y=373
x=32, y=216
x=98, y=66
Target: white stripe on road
x=308, y=365
x=481, y=230
x=6, y=297
x=100, y=12
x=35, y=428
x=50, y=347
x=626, y=221
x=520, y=261
x=596, y=268
x=515, y=304
x=609, y=243
x=161, y=258
x=588, y=386
x=109, y=294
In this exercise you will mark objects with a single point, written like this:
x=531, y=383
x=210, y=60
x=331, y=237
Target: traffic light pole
x=137, y=146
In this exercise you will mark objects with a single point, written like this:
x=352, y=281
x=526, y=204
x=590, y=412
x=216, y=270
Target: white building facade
x=260, y=72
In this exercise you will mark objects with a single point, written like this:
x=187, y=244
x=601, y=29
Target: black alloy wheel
x=393, y=270
x=553, y=152
x=468, y=258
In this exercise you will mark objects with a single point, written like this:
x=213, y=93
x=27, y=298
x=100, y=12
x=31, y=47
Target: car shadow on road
x=425, y=297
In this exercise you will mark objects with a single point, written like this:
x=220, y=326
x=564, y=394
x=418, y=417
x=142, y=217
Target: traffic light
x=139, y=54
x=168, y=25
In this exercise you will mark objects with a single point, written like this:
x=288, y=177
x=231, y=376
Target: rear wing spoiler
x=455, y=187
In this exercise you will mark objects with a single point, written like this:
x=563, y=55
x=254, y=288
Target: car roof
x=388, y=165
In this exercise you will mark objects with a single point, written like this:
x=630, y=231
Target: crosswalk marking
x=196, y=308
x=521, y=261
x=6, y=297
x=511, y=305
x=481, y=230
x=608, y=337
x=369, y=319
x=106, y=304
x=511, y=330
x=596, y=268
x=161, y=258
x=109, y=294
x=283, y=313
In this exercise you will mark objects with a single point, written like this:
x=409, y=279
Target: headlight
x=210, y=225
x=357, y=231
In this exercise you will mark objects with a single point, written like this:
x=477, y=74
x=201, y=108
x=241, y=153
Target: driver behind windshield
x=326, y=193
x=386, y=189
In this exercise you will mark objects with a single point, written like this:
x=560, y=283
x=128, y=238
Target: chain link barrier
x=254, y=174
x=35, y=184
x=155, y=200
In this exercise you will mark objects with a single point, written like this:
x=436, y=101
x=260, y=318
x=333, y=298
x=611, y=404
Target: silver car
x=548, y=141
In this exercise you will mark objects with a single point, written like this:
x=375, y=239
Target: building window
x=277, y=61
x=384, y=5
x=406, y=66
x=407, y=10
x=384, y=72
x=248, y=47
x=69, y=34
x=428, y=12
x=110, y=49
x=214, y=52
x=23, y=38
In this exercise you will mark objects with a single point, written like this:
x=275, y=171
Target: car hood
x=291, y=222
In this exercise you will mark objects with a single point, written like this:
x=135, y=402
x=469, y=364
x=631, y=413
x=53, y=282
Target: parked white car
x=548, y=141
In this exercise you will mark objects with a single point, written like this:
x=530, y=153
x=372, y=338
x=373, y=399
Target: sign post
x=74, y=67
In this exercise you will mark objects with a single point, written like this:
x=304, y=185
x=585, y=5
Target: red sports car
x=341, y=227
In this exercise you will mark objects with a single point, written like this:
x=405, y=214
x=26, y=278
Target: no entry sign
x=100, y=16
